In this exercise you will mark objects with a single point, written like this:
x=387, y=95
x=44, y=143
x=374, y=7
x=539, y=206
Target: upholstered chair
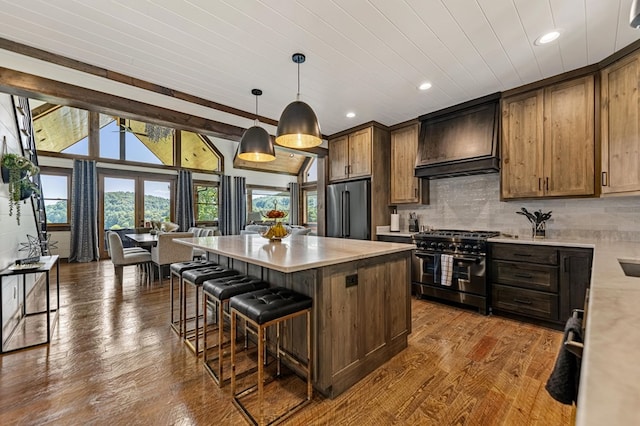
x=168, y=251
x=120, y=258
x=200, y=232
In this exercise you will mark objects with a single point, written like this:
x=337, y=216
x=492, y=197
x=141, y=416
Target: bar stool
x=262, y=309
x=176, y=270
x=216, y=293
x=196, y=277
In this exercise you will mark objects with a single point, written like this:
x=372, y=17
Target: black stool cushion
x=268, y=304
x=180, y=267
x=227, y=287
x=198, y=276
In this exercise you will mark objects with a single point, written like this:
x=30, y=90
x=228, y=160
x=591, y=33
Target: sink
x=631, y=267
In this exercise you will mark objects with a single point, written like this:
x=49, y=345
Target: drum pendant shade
x=298, y=125
x=256, y=144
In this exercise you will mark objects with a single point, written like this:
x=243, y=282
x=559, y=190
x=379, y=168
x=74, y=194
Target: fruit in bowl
x=276, y=232
x=275, y=214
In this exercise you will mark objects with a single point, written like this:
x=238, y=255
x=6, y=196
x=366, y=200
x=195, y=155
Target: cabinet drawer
x=526, y=302
x=525, y=275
x=525, y=253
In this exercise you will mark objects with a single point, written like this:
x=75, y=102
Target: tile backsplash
x=473, y=202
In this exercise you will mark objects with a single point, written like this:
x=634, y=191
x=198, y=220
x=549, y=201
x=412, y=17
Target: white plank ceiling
x=366, y=56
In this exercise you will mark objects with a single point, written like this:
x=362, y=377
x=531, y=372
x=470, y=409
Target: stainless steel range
x=452, y=265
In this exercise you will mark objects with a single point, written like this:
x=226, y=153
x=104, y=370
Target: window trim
x=59, y=171
x=195, y=202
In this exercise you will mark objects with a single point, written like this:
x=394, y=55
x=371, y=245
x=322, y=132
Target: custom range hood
x=461, y=140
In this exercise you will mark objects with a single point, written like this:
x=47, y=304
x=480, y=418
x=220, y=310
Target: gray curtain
x=240, y=202
x=84, y=212
x=294, y=203
x=225, y=219
x=184, y=201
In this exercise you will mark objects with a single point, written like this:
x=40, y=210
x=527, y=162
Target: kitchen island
x=361, y=297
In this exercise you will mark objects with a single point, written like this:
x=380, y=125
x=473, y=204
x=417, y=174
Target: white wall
x=473, y=202
x=11, y=233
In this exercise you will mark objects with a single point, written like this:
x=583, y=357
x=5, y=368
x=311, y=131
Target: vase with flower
x=538, y=222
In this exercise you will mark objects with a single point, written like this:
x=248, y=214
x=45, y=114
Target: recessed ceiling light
x=351, y=114
x=425, y=86
x=547, y=38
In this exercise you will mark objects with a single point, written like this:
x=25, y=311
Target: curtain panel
x=240, y=203
x=185, y=216
x=225, y=219
x=294, y=204
x=84, y=212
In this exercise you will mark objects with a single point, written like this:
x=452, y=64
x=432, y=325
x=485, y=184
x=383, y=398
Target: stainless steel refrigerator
x=348, y=210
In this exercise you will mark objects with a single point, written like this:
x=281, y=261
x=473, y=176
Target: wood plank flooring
x=115, y=360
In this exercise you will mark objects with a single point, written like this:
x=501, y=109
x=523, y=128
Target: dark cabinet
x=537, y=282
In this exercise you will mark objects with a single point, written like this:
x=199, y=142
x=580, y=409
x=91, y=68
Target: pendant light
x=256, y=144
x=298, y=125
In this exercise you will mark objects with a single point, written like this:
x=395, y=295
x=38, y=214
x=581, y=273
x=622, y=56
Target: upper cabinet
x=405, y=187
x=350, y=155
x=620, y=83
x=548, y=147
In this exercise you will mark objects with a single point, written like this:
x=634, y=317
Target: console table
x=50, y=312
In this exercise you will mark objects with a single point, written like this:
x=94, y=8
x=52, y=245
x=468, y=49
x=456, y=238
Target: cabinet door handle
x=547, y=184
x=523, y=275
x=539, y=184
x=524, y=302
x=415, y=191
x=604, y=179
x=522, y=254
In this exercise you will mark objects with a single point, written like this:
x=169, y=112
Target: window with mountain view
x=55, y=195
x=261, y=199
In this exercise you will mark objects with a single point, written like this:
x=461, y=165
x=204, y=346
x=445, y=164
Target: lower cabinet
x=537, y=282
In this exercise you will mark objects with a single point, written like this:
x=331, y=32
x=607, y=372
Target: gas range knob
x=467, y=247
x=452, y=247
x=433, y=245
x=476, y=248
x=440, y=246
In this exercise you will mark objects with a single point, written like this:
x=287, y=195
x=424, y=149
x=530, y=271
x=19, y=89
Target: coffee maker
x=414, y=226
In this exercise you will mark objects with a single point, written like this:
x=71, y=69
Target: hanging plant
x=156, y=133
x=18, y=171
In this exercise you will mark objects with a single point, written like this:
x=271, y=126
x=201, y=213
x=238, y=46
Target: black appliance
x=467, y=250
x=348, y=210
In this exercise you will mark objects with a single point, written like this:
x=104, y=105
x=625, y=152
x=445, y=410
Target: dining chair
x=167, y=251
x=121, y=258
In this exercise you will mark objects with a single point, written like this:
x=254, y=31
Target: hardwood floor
x=114, y=359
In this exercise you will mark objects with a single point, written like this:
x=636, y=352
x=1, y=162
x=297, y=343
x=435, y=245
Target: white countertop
x=296, y=252
x=544, y=242
x=610, y=376
x=386, y=230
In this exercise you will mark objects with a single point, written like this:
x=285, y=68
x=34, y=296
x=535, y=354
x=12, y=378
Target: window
x=262, y=199
x=311, y=209
x=55, y=194
x=61, y=129
x=311, y=171
x=206, y=203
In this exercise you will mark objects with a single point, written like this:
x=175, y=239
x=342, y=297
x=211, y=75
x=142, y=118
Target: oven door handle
x=455, y=257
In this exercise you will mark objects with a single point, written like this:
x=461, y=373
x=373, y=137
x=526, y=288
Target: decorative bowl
x=276, y=232
x=274, y=238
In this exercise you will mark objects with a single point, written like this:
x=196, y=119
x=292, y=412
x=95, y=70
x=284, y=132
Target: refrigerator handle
x=346, y=214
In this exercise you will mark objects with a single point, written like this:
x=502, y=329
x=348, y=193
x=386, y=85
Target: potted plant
x=18, y=171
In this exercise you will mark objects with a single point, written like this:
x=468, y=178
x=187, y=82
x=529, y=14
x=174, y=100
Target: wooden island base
x=361, y=308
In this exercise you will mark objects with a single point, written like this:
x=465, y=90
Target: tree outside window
x=206, y=204
x=55, y=194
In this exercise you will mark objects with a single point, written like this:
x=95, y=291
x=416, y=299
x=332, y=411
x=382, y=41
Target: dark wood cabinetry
x=537, y=282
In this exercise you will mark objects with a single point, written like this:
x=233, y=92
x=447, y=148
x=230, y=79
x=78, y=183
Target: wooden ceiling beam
x=60, y=93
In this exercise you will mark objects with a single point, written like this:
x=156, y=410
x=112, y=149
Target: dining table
x=143, y=240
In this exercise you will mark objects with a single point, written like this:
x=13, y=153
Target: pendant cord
x=298, y=95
